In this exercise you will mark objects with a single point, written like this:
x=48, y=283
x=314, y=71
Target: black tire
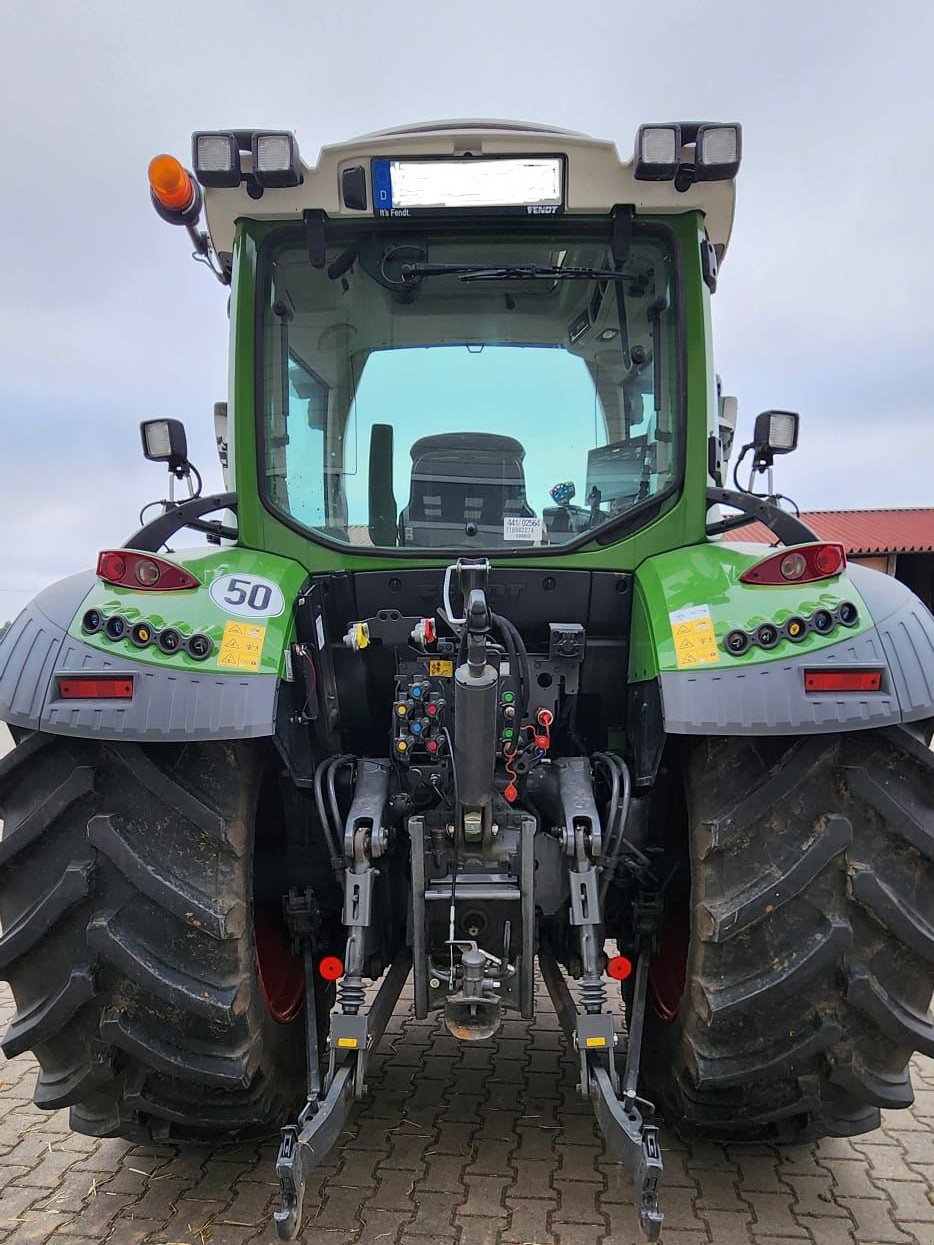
x=810, y=938
x=128, y=939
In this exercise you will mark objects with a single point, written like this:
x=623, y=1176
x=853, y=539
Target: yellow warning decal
x=692, y=630
x=347, y=1043
x=242, y=646
x=441, y=669
x=595, y=1041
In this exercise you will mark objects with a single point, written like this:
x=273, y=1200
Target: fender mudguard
x=242, y=603
x=686, y=603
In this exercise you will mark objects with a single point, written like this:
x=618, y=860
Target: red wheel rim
x=281, y=973
x=669, y=966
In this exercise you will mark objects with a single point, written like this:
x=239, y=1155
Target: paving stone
x=813, y=1195
x=528, y=1220
x=577, y=1203
x=886, y=1162
x=854, y=1180
x=874, y=1224
x=911, y=1201
x=580, y=1233
x=478, y=1231
x=434, y=1215
x=485, y=1196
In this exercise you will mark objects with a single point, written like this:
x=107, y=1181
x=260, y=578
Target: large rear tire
x=792, y=983
x=126, y=900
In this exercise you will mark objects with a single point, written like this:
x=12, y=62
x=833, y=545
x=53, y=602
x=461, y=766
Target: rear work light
x=842, y=680
x=126, y=569
x=93, y=687
x=802, y=565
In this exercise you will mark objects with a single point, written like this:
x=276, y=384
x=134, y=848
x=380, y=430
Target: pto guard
x=243, y=605
x=686, y=603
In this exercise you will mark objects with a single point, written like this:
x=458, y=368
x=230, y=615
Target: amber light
x=171, y=183
x=842, y=680
x=90, y=687
x=143, y=571
x=802, y=565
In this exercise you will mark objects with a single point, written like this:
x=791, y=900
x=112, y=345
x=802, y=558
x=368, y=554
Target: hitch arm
x=306, y=1144
x=629, y=1138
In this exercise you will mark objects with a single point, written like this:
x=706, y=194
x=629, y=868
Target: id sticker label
x=242, y=646
x=693, y=634
x=517, y=527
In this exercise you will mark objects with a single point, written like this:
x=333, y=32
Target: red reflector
x=84, y=687
x=842, y=680
x=331, y=967
x=618, y=967
x=803, y=565
x=143, y=571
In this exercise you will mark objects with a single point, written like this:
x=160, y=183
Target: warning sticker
x=242, y=646
x=441, y=669
x=692, y=630
x=517, y=527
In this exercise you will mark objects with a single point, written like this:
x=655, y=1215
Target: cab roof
x=597, y=178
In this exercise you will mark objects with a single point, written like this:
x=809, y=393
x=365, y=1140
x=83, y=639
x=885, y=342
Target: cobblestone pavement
x=463, y=1145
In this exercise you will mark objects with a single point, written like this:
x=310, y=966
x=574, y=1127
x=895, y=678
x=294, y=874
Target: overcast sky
x=826, y=300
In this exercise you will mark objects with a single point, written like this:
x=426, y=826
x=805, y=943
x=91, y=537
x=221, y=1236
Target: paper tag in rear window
x=518, y=527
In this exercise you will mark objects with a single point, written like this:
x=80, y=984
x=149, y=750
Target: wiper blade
x=512, y=272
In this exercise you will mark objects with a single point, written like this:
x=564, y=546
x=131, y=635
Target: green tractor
x=465, y=685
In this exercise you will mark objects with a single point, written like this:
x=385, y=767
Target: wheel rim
x=281, y=973
x=668, y=969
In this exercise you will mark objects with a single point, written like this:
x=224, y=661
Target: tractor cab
x=467, y=337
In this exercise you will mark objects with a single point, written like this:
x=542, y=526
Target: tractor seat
x=464, y=485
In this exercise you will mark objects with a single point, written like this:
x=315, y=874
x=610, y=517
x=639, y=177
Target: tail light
x=802, y=565
x=126, y=569
x=842, y=680
x=93, y=687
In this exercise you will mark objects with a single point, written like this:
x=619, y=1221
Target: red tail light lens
x=127, y=569
x=842, y=680
x=331, y=967
x=91, y=687
x=798, y=566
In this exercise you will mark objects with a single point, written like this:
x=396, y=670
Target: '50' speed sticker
x=247, y=596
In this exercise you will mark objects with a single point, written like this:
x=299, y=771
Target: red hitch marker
x=619, y=967
x=331, y=967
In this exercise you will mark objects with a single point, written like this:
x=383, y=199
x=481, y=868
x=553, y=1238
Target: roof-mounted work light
x=215, y=156
x=658, y=152
x=276, y=161
x=718, y=151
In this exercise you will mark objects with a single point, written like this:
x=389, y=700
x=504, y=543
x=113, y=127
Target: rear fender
x=686, y=603
x=242, y=604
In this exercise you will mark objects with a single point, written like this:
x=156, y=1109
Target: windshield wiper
x=512, y=272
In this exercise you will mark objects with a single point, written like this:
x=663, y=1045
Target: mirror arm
x=789, y=529
x=152, y=536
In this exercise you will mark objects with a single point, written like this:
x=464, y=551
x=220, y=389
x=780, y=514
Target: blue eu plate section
x=382, y=187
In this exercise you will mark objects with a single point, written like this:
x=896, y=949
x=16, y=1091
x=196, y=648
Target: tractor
x=458, y=680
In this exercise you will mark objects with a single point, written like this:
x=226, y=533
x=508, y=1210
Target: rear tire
x=809, y=937
x=128, y=937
